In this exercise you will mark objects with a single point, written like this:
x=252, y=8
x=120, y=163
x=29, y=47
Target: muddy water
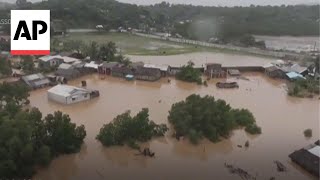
x=200, y=59
x=282, y=119
x=290, y=43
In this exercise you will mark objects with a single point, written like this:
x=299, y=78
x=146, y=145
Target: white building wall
x=57, y=98
x=78, y=98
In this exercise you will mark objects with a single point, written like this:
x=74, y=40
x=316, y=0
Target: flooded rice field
x=200, y=59
x=283, y=120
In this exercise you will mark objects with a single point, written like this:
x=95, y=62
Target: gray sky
x=214, y=2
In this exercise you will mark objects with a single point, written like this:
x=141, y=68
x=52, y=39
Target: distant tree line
x=195, y=22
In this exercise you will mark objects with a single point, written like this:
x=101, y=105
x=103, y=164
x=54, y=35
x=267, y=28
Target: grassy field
x=136, y=45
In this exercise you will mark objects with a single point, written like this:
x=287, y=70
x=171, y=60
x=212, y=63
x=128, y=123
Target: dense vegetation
x=104, y=52
x=128, y=130
x=304, y=87
x=26, y=139
x=199, y=117
x=5, y=67
x=195, y=22
x=189, y=74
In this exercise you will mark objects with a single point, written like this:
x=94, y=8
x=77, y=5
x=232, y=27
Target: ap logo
x=30, y=32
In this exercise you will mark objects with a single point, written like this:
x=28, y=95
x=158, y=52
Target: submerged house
x=106, y=67
x=35, y=81
x=295, y=68
x=214, y=70
x=308, y=158
x=121, y=71
x=67, y=71
x=148, y=74
x=50, y=61
x=69, y=94
x=274, y=72
x=164, y=69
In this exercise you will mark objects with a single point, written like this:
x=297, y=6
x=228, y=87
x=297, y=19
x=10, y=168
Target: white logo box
x=22, y=46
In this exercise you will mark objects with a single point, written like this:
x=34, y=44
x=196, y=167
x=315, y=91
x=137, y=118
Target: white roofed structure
x=66, y=94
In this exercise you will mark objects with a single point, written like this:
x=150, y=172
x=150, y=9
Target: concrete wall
x=78, y=98
x=68, y=100
x=57, y=98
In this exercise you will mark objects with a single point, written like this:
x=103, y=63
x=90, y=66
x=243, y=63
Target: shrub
x=307, y=133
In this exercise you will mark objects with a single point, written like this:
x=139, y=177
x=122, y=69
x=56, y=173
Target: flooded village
x=149, y=82
x=162, y=92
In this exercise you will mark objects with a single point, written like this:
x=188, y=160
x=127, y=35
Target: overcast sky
x=213, y=2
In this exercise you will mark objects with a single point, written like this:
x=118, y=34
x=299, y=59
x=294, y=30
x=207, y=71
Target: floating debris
x=280, y=166
x=146, y=152
x=227, y=85
x=242, y=173
x=239, y=146
x=246, y=144
x=84, y=83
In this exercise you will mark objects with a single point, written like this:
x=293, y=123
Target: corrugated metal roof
x=92, y=64
x=161, y=67
x=65, y=90
x=294, y=75
x=48, y=58
x=69, y=59
x=65, y=66
x=315, y=150
x=33, y=77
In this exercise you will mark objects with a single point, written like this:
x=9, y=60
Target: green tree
x=189, y=73
x=199, y=117
x=27, y=64
x=108, y=51
x=5, y=67
x=128, y=130
x=92, y=50
x=63, y=136
x=73, y=45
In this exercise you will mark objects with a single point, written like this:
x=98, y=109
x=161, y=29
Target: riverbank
x=181, y=160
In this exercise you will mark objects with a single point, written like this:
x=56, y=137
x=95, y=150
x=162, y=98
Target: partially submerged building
x=67, y=71
x=214, y=70
x=121, y=71
x=106, y=67
x=35, y=81
x=66, y=94
x=148, y=74
x=50, y=61
x=294, y=76
x=308, y=158
x=164, y=69
x=274, y=72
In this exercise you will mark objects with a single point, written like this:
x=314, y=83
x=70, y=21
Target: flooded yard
x=283, y=120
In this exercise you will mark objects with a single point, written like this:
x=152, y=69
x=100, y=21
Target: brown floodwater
x=201, y=58
x=283, y=120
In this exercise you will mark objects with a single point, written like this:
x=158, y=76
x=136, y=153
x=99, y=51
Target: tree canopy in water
x=26, y=139
x=125, y=129
x=198, y=117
